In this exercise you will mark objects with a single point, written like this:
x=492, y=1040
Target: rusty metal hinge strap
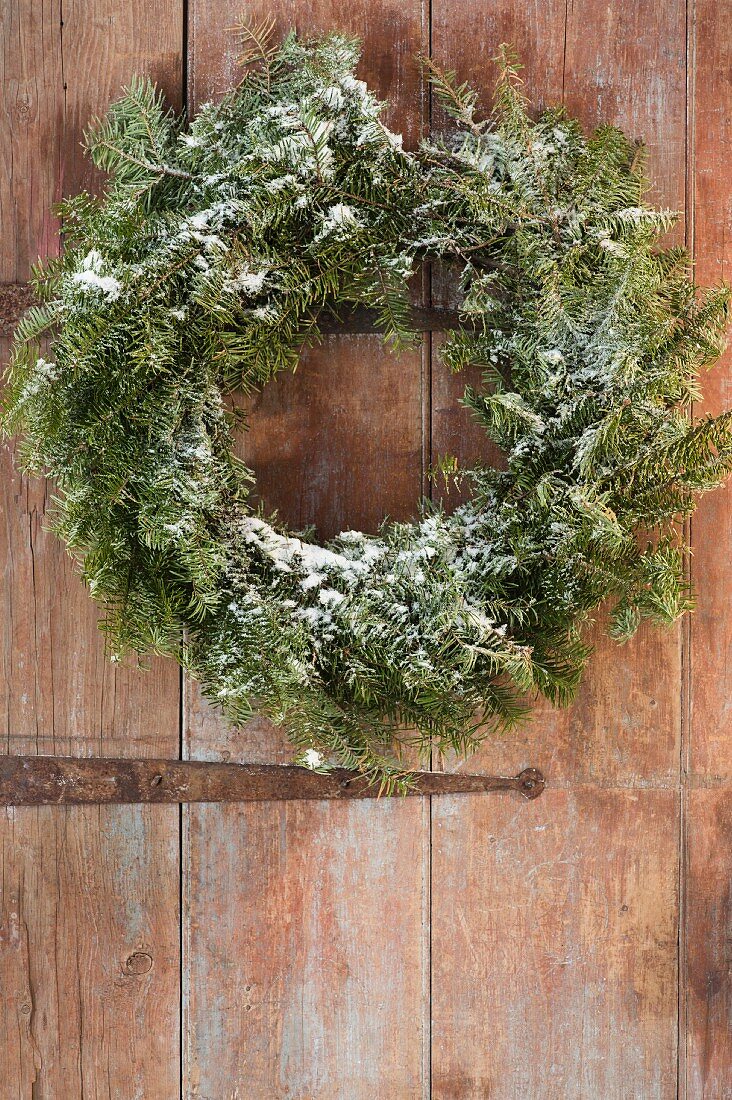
x=59, y=780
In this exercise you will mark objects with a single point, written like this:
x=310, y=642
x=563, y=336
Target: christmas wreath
x=209, y=263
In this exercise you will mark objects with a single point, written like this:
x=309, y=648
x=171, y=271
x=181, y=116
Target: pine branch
x=256, y=45
x=459, y=100
x=117, y=153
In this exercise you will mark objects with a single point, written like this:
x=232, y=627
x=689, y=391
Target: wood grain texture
x=710, y=657
x=706, y=996
x=708, y=962
x=82, y=891
x=465, y=37
x=616, y=70
x=339, y=442
x=89, y=953
x=555, y=950
x=554, y=947
x=305, y=931
x=305, y=955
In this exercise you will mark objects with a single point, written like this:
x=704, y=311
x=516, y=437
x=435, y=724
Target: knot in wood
x=139, y=962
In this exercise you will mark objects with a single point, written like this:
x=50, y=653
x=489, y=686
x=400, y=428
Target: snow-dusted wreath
x=206, y=267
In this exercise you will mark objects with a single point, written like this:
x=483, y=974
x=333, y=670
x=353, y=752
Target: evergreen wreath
x=208, y=265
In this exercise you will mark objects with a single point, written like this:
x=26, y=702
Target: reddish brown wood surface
x=89, y=973
x=298, y=983
x=551, y=924
x=554, y=947
x=710, y=42
x=483, y=947
x=706, y=1000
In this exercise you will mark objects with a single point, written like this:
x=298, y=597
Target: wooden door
x=573, y=948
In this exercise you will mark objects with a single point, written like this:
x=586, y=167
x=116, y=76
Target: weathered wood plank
x=711, y=195
x=523, y=1004
x=295, y=984
x=305, y=964
x=15, y=298
x=465, y=37
x=84, y=890
x=554, y=935
x=89, y=953
x=321, y=445
x=707, y=987
x=609, y=735
x=625, y=725
x=706, y=970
